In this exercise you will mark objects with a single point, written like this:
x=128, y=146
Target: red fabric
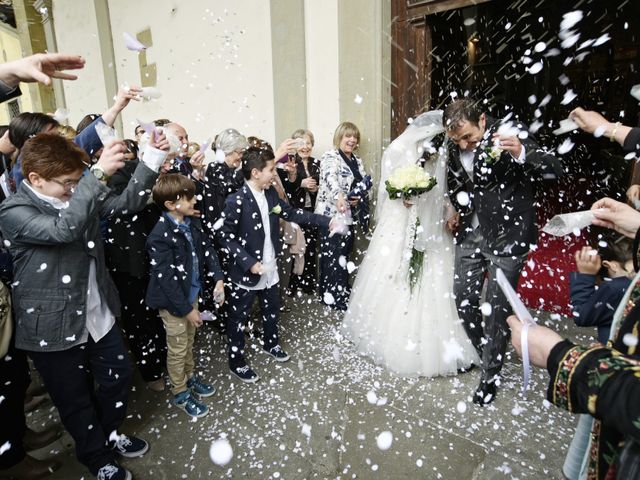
x=544, y=283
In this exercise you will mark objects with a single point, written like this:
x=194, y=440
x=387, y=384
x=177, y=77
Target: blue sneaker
x=128, y=446
x=245, y=373
x=113, y=471
x=277, y=353
x=200, y=388
x=191, y=406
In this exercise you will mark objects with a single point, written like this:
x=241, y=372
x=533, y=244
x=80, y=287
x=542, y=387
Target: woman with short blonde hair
x=343, y=190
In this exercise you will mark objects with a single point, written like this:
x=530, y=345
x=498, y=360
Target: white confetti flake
x=91, y=244
x=43, y=266
x=486, y=309
x=5, y=446
x=119, y=404
x=43, y=343
x=218, y=224
x=221, y=452
x=535, y=68
x=306, y=430
x=630, y=340
x=461, y=407
x=384, y=440
x=565, y=146
x=358, y=99
x=372, y=398
x=462, y=198
x=351, y=267
x=600, y=131
x=569, y=96
x=72, y=338
x=66, y=279
x=569, y=19
x=540, y=47
x=328, y=299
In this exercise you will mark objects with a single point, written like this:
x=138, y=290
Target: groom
x=491, y=166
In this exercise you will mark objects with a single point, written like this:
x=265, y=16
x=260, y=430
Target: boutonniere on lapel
x=492, y=153
x=276, y=210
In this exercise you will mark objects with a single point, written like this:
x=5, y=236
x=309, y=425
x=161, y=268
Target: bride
x=413, y=332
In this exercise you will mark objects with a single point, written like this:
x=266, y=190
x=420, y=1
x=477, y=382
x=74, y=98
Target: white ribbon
x=527, y=321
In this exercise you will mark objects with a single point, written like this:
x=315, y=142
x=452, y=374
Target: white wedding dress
x=412, y=333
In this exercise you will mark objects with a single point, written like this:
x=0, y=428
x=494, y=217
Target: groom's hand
x=508, y=144
x=453, y=223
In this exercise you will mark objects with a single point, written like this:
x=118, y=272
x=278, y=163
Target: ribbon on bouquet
x=525, y=317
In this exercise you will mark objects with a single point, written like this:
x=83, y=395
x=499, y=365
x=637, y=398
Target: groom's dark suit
x=500, y=192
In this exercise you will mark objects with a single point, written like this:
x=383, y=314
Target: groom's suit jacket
x=501, y=192
x=243, y=234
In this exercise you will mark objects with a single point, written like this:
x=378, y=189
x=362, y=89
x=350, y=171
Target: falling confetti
x=221, y=452
x=384, y=440
x=133, y=44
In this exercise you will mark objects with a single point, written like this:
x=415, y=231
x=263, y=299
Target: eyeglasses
x=67, y=184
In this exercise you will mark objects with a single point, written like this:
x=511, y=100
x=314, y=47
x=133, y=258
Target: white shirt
x=269, y=276
x=99, y=320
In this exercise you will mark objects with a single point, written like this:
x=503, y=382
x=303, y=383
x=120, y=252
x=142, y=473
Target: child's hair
x=28, y=124
x=257, y=158
x=615, y=249
x=171, y=188
x=50, y=155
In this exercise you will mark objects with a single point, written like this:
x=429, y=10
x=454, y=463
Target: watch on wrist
x=99, y=173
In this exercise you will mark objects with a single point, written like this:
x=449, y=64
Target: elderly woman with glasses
x=222, y=178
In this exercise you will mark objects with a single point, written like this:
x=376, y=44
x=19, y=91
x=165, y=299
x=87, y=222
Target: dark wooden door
x=411, y=56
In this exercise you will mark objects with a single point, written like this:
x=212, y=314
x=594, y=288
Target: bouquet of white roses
x=409, y=181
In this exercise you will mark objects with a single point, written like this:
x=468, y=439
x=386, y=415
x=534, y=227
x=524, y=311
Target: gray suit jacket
x=52, y=250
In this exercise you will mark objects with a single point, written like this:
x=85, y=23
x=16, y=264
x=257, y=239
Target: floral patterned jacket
x=335, y=178
x=604, y=382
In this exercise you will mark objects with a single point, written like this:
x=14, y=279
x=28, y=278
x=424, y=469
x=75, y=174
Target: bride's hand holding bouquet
x=408, y=182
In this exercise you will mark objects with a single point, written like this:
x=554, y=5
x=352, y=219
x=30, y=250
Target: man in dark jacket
x=491, y=166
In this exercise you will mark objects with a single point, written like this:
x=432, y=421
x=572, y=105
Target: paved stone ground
x=319, y=416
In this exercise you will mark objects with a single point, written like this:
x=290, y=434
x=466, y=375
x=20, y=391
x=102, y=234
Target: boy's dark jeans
x=239, y=307
x=88, y=414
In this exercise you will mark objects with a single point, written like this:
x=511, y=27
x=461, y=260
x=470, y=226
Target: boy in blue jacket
x=178, y=251
x=595, y=305
x=251, y=234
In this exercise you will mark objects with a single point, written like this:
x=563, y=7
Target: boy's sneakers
x=200, y=388
x=245, y=374
x=113, y=471
x=190, y=404
x=277, y=353
x=130, y=447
